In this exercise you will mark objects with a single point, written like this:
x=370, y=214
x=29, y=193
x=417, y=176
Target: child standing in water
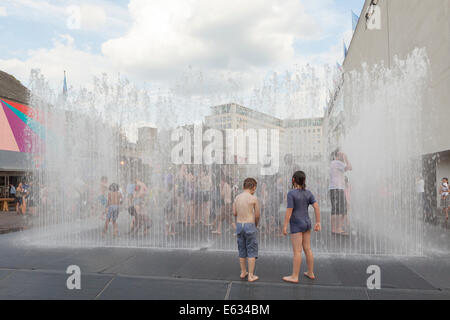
x=113, y=202
x=247, y=212
x=298, y=201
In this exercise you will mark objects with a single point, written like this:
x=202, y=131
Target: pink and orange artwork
x=21, y=129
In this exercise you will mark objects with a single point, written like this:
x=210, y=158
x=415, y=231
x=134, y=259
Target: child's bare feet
x=243, y=275
x=252, y=278
x=309, y=275
x=290, y=279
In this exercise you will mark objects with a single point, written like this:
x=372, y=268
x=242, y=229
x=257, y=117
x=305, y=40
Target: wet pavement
x=10, y=221
x=31, y=272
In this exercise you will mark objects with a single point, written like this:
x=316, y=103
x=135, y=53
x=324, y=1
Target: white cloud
x=166, y=36
x=3, y=12
x=80, y=65
x=99, y=15
x=92, y=17
x=230, y=45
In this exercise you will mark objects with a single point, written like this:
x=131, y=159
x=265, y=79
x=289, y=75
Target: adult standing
x=139, y=200
x=422, y=199
x=19, y=203
x=206, y=185
x=12, y=192
x=103, y=196
x=226, y=203
x=338, y=166
x=131, y=186
x=444, y=191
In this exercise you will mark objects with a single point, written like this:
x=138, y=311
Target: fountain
x=92, y=134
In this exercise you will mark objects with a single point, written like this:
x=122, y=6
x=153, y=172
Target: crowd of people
x=203, y=196
x=188, y=196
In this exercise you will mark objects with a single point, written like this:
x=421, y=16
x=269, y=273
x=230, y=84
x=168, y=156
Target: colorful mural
x=21, y=128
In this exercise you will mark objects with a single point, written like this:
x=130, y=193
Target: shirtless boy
x=113, y=201
x=247, y=212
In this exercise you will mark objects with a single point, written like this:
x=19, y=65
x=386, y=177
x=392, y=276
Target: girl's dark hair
x=114, y=187
x=299, y=178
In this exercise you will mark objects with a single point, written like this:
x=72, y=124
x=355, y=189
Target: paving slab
x=137, y=288
x=271, y=291
x=5, y=273
x=31, y=285
x=90, y=260
x=163, y=263
x=408, y=294
x=434, y=270
x=352, y=271
x=31, y=258
x=32, y=272
x=11, y=222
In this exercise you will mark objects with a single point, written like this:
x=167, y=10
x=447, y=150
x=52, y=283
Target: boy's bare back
x=114, y=198
x=246, y=206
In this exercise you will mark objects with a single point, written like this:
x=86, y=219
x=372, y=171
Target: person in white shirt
x=444, y=192
x=338, y=166
x=422, y=199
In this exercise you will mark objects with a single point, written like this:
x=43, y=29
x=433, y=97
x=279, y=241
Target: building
x=235, y=116
x=403, y=26
x=14, y=162
x=304, y=138
x=138, y=159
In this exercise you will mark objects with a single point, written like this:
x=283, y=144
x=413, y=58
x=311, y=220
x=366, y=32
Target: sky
x=153, y=42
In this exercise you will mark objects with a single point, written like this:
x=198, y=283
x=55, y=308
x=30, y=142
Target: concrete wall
x=406, y=25
x=14, y=161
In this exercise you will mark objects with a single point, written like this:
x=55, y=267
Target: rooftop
x=12, y=89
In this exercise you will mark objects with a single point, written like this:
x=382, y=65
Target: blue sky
x=155, y=40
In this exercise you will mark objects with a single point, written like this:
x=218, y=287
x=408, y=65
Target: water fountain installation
x=117, y=133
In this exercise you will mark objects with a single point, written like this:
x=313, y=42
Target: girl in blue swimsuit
x=298, y=201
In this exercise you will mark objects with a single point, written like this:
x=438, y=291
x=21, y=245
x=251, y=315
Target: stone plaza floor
x=30, y=272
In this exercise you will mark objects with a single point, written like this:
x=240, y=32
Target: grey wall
x=405, y=25
x=14, y=161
